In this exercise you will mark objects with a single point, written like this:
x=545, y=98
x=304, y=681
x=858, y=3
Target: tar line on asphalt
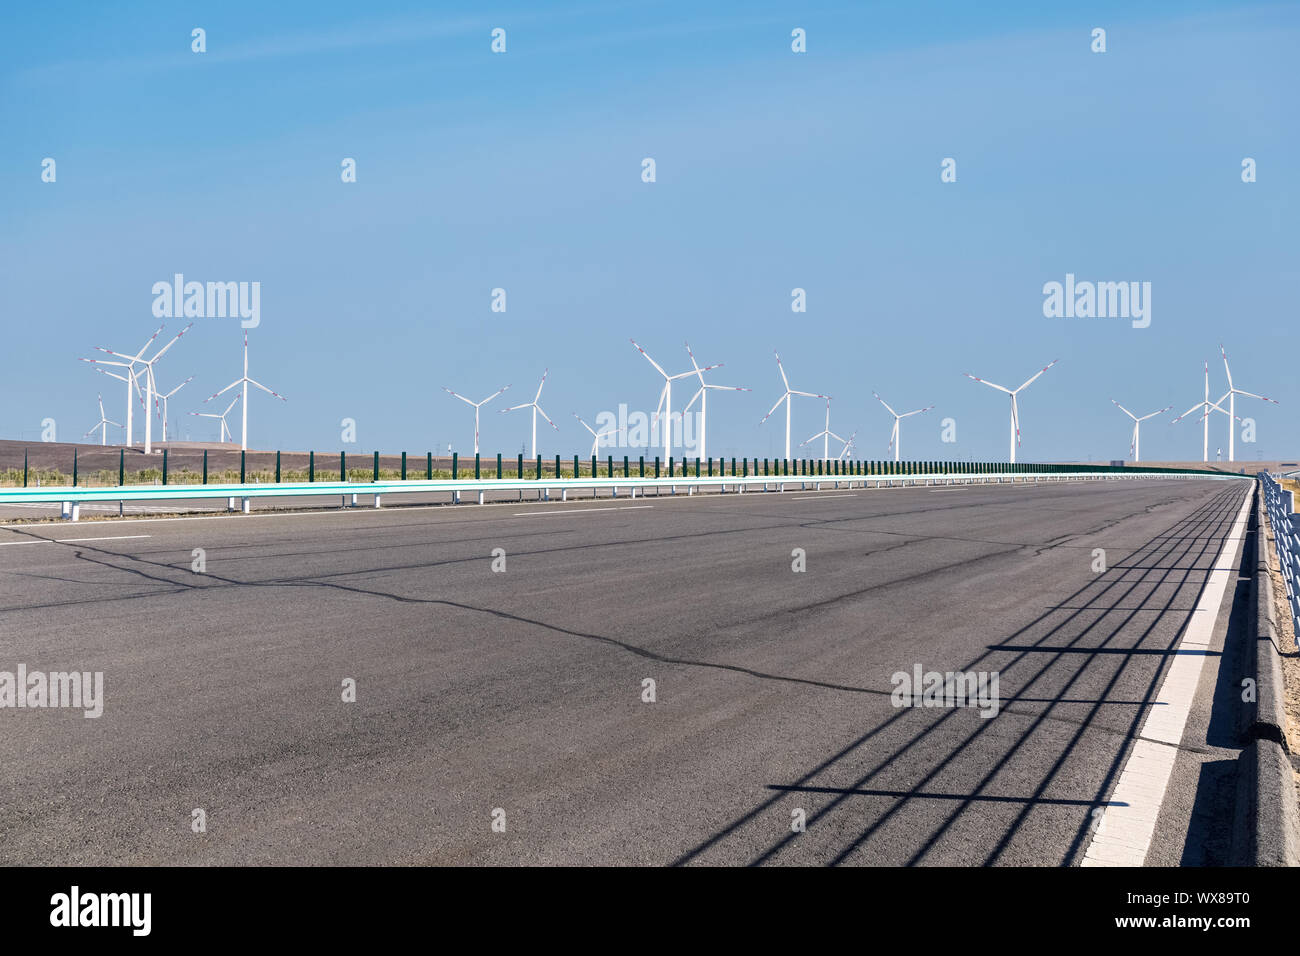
x=1123, y=834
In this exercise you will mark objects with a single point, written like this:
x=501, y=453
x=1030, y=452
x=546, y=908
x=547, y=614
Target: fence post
x=519, y=467
x=428, y=466
x=243, y=463
x=539, y=467
x=498, y=466
x=277, y=467
x=403, y=466
x=205, y=467
x=343, y=466
x=557, y=466
x=25, y=468
x=656, y=466
x=455, y=465
x=164, y=466
x=311, y=465
x=121, y=466
x=626, y=470
x=74, y=467
x=376, y=470
x=478, y=467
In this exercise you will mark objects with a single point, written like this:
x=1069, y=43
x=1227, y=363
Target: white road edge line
x=822, y=497
x=1123, y=833
x=112, y=537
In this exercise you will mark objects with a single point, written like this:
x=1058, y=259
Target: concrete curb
x=1269, y=719
x=1267, y=831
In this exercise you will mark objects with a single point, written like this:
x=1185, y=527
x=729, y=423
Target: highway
x=521, y=691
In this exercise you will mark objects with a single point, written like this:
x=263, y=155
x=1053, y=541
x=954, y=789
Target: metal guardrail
x=1280, y=505
x=72, y=497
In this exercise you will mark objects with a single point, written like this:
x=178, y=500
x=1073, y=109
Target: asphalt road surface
x=519, y=696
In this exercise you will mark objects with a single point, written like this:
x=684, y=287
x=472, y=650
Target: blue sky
x=775, y=170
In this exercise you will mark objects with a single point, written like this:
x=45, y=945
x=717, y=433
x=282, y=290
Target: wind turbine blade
x=171, y=343
x=538, y=397
x=457, y=395
x=649, y=359
x=775, y=407
x=917, y=412
x=147, y=344
x=1039, y=372
x=238, y=381
x=697, y=394
x=585, y=425
x=883, y=402
x=1225, y=365
x=499, y=391
x=1186, y=413
x=1015, y=417
x=1154, y=414
x=989, y=384
x=543, y=414
x=1124, y=410
x=267, y=390
x=781, y=369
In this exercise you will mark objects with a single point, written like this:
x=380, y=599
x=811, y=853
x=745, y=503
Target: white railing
x=1280, y=504
x=72, y=497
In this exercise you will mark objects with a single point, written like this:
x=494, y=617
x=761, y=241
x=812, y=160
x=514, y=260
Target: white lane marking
x=1123, y=834
x=822, y=497
x=579, y=511
x=116, y=537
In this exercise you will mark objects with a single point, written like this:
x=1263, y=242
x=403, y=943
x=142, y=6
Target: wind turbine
x=129, y=378
x=1015, y=411
x=1135, y=444
x=703, y=396
x=102, y=424
x=149, y=386
x=164, y=403
x=245, y=381
x=895, y=436
x=1231, y=395
x=596, y=436
x=536, y=408
x=226, y=434
x=666, y=397
x=130, y=383
x=850, y=444
x=477, y=406
x=786, y=398
x=826, y=434
x=1205, y=405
